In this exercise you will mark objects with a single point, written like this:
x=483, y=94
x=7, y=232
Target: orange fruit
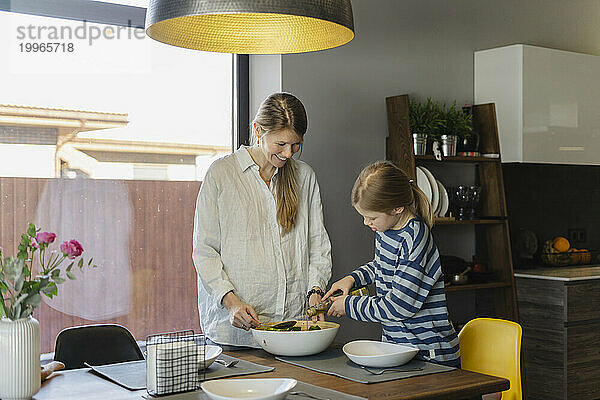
x=561, y=244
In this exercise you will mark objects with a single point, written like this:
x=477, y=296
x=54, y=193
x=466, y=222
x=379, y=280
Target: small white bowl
x=210, y=355
x=254, y=389
x=297, y=343
x=371, y=353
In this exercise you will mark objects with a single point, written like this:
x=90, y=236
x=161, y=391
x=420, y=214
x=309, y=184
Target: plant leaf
x=55, y=273
x=19, y=282
x=70, y=275
x=27, y=312
x=70, y=266
x=34, y=300
x=50, y=290
x=19, y=300
x=31, y=229
x=59, y=280
x=80, y=263
x=13, y=268
x=90, y=262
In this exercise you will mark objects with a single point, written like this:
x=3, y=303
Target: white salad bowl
x=297, y=343
x=371, y=353
x=249, y=389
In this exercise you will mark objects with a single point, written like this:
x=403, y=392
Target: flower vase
x=19, y=358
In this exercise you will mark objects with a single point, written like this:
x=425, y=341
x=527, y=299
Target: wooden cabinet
x=490, y=232
x=561, y=337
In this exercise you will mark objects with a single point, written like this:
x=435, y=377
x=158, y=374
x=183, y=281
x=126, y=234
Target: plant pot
x=419, y=143
x=19, y=358
x=448, y=145
x=468, y=144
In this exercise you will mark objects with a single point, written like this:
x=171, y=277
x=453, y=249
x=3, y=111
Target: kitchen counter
x=559, y=311
x=567, y=274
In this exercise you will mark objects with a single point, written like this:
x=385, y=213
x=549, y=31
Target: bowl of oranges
x=559, y=252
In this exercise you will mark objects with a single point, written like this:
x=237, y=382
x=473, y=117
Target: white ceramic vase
x=19, y=358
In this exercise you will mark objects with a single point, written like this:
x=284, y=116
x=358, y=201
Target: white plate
x=423, y=183
x=435, y=194
x=444, y=202
x=210, y=355
x=297, y=343
x=255, y=389
x=371, y=353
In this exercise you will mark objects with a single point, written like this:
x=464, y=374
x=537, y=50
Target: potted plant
x=21, y=289
x=457, y=126
x=468, y=142
x=424, y=119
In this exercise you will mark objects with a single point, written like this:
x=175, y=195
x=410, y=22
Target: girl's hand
x=241, y=315
x=344, y=284
x=315, y=298
x=338, y=306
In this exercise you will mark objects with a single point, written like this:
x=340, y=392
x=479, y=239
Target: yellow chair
x=493, y=347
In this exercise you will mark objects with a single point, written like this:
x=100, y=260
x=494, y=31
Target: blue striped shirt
x=410, y=303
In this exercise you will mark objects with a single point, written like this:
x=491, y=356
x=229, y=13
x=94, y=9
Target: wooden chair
x=493, y=347
x=95, y=345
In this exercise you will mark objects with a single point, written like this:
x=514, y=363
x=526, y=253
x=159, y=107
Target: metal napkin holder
x=175, y=362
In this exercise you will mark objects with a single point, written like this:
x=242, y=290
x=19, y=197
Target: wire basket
x=175, y=362
x=579, y=257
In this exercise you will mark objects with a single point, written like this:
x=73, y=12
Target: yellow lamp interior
x=251, y=33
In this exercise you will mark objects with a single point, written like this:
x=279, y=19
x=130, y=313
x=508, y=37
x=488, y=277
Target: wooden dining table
x=456, y=384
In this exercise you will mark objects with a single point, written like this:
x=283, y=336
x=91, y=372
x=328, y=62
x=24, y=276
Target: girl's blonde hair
x=277, y=112
x=383, y=187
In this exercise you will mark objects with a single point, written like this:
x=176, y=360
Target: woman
x=260, y=246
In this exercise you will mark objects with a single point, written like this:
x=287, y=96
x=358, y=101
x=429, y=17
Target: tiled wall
x=551, y=199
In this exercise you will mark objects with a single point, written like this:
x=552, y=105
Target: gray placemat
x=335, y=362
x=132, y=374
x=323, y=393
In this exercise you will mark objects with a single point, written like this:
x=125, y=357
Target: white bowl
x=297, y=343
x=210, y=355
x=255, y=389
x=371, y=353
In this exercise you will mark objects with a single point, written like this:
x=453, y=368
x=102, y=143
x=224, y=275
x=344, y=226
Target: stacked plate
x=434, y=190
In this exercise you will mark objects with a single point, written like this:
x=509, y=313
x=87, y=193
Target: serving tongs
x=280, y=325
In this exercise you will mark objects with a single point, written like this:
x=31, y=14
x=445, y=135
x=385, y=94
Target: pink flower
x=71, y=249
x=45, y=237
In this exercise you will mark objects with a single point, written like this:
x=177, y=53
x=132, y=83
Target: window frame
x=135, y=17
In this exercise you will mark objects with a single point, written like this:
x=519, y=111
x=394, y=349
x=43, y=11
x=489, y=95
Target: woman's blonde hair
x=383, y=187
x=277, y=112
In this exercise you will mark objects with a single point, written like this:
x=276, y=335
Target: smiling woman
x=259, y=239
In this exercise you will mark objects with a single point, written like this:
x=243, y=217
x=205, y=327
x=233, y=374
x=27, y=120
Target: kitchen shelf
x=459, y=159
x=439, y=221
x=477, y=286
x=491, y=234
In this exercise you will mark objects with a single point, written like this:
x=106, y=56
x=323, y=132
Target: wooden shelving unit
x=492, y=231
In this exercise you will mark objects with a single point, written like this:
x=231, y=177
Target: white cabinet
x=547, y=103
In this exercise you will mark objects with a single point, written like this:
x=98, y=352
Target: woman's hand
x=338, y=306
x=241, y=315
x=344, y=284
x=315, y=298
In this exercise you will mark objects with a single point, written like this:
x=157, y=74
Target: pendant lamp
x=251, y=26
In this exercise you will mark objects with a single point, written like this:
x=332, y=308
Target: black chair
x=95, y=345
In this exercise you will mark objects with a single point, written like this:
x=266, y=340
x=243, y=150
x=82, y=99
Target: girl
x=410, y=303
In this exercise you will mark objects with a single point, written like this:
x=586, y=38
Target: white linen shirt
x=238, y=246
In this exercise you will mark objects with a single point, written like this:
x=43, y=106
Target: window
x=105, y=135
